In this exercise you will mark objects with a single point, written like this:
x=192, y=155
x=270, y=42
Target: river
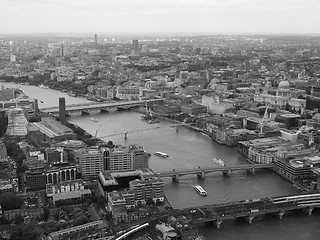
x=190, y=149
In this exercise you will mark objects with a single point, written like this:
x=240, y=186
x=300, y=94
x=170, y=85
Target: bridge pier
x=280, y=214
x=252, y=171
x=104, y=110
x=175, y=178
x=201, y=175
x=227, y=173
x=85, y=112
x=218, y=223
x=250, y=218
x=309, y=210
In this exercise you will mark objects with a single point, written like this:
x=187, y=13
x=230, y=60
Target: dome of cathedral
x=284, y=85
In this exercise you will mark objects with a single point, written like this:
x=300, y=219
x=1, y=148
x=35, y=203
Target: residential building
x=91, y=230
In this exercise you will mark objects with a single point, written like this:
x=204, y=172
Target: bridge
x=249, y=209
x=175, y=174
x=246, y=210
x=86, y=108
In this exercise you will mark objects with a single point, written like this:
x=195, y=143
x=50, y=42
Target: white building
x=17, y=122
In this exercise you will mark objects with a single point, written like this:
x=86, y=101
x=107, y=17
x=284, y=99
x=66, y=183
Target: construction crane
x=265, y=115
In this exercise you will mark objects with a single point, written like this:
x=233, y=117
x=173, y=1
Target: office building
x=91, y=163
x=123, y=158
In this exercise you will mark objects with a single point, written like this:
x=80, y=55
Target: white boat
x=200, y=190
x=161, y=154
x=94, y=119
x=218, y=161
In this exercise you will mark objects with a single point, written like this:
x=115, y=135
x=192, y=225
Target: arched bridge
x=100, y=106
x=201, y=171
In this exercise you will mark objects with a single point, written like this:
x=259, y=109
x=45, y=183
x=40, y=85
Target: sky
x=153, y=16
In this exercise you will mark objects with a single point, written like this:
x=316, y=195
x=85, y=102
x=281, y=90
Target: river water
x=190, y=149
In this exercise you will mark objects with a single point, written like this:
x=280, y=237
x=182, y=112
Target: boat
x=43, y=86
x=200, y=190
x=218, y=161
x=161, y=154
x=94, y=119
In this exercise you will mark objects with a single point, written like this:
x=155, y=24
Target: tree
x=23, y=233
x=3, y=123
x=10, y=201
x=150, y=201
x=18, y=219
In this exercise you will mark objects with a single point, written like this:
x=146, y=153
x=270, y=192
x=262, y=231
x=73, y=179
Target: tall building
x=62, y=110
x=95, y=38
x=135, y=47
x=118, y=159
x=135, y=44
x=125, y=158
x=62, y=50
x=17, y=122
x=91, y=163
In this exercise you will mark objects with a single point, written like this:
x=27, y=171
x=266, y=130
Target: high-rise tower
x=95, y=38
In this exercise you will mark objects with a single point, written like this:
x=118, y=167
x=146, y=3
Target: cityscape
x=162, y=128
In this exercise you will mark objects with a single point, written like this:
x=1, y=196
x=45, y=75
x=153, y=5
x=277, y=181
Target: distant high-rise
x=62, y=50
x=62, y=110
x=95, y=38
x=135, y=45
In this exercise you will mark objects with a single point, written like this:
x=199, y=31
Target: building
x=167, y=231
x=49, y=130
x=127, y=93
x=60, y=172
x=66, y=186
x=118, y=159
x=17, y=123
x=283, y=97
x=294, y=170
x=268, y=150
x=15, y=98
x=3, y=150
x=71, y=197
x=91, y=163
x=92, y=230
x=147, y=188
x=36, y=179
x=6, y=187
x=110, y=181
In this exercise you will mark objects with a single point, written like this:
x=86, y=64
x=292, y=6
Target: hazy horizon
x=212, y=17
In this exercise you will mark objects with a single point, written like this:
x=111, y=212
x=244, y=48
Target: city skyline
x=152, y=16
